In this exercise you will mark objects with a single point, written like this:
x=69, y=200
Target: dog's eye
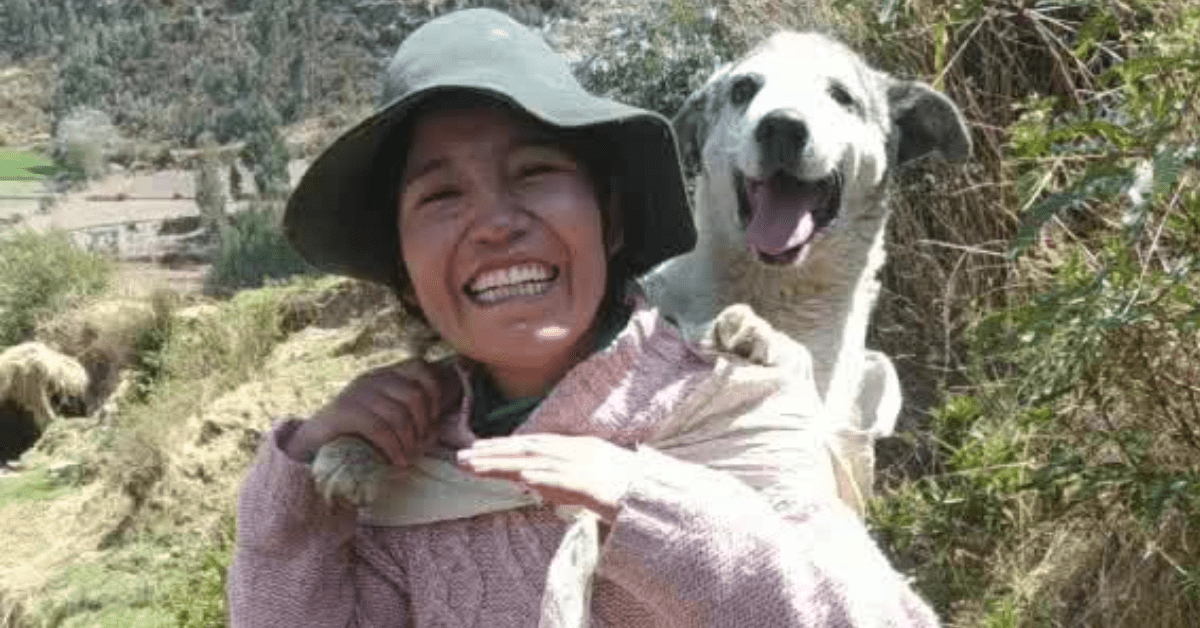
x=743, y=89
x=839, y=94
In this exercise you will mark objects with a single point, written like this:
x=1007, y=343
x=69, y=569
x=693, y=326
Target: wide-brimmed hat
x=342, y=215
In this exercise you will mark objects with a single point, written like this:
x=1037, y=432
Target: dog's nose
x=781, y=135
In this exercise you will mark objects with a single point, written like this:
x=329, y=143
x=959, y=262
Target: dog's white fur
x=824, y=298
x=31, y=373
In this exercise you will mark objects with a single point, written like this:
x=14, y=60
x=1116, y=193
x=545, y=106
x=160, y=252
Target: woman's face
x=502, y=237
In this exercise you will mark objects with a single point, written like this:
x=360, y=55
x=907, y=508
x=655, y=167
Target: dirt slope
x=86, y=545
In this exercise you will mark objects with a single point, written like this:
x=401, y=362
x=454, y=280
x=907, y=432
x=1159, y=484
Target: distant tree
x=265, y=151
x=17, y=23
x=210, y=189
x=280, y=32
x=81, y=79
x=268, y=22
x=83, y=142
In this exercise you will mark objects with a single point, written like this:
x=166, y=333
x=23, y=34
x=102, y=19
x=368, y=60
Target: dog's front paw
x=350, y=470
x=738, y=330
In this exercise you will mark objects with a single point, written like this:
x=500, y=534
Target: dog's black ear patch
x=926, y=123
x=691, y=127
x=694, y=120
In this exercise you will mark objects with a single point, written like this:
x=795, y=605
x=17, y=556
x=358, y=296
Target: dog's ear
x=692, y=122
x=691, y=127
x=926, y=123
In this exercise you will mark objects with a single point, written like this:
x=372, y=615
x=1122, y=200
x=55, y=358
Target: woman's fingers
x=388, y=435
x=415, y=388
x=566, y=470
x=554, y=445
x=394, y=407
x=408, y=406
x=408, y=397
x=509, y=464
x=547, y=456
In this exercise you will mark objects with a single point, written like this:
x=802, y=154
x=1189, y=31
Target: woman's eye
x=438, y=195
x=539, y=168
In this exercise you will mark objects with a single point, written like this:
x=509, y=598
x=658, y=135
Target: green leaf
x=1033, y=220
x=1169, y=163
x=1139, y=68
x=1089, y=129
x=1100, y=26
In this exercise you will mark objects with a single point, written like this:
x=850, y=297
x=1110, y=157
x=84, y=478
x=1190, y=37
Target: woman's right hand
x=394, y=407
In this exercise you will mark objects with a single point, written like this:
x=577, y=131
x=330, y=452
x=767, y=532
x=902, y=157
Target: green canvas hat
x=342, y=215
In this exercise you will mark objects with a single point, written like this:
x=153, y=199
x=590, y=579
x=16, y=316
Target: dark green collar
x=493, y=415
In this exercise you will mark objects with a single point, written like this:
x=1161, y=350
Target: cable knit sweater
x=692, y=546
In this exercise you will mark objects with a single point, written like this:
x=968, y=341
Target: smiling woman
x=514, y=224
x=511, y=209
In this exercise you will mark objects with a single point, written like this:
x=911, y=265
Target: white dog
x=796, y=144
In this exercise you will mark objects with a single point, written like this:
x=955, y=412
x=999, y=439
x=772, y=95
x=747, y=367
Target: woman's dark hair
x=587, y=146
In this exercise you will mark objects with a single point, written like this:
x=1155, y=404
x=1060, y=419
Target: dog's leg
x=683, y=293
x=879, y=398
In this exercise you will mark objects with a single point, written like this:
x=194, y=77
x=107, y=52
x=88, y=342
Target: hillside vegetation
x=1042, y=304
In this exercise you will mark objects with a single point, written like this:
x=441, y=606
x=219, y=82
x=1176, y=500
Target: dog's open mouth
x=783, y=214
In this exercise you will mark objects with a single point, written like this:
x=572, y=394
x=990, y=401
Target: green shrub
x=41, y=274
x=1064, y=488
x=198, y=601
x=230, y=345
x=946, y=527
x=149, y=365
x=253, y=251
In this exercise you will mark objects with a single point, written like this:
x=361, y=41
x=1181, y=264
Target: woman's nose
x=500, y=218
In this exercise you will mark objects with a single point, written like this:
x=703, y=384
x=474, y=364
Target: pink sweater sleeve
x=704, y=549
x=298, y=562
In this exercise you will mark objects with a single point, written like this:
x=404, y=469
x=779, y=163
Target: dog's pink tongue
x=781, y=215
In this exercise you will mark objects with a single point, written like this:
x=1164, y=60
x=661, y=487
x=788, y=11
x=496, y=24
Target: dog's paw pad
x=350, y=470
x=738, y=330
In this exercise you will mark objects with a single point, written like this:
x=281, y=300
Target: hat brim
x=342, y=219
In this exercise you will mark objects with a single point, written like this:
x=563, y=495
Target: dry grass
x=105, y=336
x=154, y=485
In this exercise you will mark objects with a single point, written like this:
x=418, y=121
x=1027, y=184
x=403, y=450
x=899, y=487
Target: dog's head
x=804, y=133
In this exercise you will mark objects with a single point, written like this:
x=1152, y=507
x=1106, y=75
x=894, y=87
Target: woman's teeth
x=500, y=293
x=521, y=280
